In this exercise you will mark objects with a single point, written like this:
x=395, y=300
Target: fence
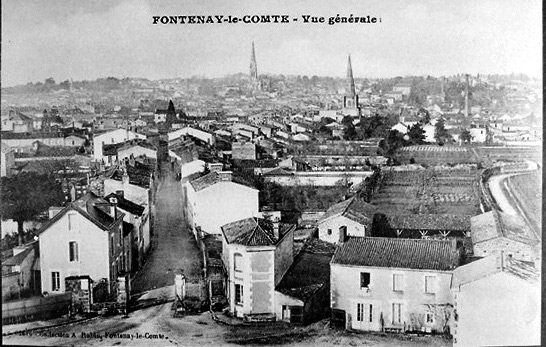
x=35, y=308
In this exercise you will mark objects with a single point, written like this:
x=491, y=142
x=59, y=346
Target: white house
x=392, y=284
x=497, y=303
x=84, y=238
x=214, y=200
x=112, y=137
x=352, y=216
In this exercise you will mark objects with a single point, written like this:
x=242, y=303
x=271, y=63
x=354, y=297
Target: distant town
x=272, y=209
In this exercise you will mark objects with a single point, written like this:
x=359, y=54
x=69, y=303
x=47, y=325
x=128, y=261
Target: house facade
x=214, y=200
x=256, y=253
x=497, y=303
x=84, y=238
x=384, y=284
x=353, y=216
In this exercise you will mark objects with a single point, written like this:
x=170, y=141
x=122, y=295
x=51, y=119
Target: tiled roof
x=205, y=181
x=309, y=272
x=429, y=222
x=126, y=205
x=92, y=207
x=254, y=232
x=354, y=209
x=139, y=174
x=18, y=258
x=440, y=255
x=493, y=224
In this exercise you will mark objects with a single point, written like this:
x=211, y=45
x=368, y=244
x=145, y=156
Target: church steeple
x=350, y=100
x=350, y=80
x=253, y=65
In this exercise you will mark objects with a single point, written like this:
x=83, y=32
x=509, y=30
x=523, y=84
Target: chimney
x=113, y=207
x=216, y=167
x=343, y=234
x=120, y=193
x=276, y=228
x=225, y=176
x=125, y=178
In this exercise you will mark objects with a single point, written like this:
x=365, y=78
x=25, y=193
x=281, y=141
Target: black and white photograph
x=268, y=173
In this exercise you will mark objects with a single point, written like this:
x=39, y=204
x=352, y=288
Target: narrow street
x=174, y=248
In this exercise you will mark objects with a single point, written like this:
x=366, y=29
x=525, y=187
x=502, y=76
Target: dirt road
x=175, y=248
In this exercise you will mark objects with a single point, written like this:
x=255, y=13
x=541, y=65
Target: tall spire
x=350, y=80
x=253, y=65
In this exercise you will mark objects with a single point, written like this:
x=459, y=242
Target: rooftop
x=493, y=224
x=254, y=232
x=126, y=205
x=417, y=254
x=494, y=264
x=429, y=222
x=354, y=209
x=310, y=270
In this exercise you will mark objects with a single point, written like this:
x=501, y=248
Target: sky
x=99, y=38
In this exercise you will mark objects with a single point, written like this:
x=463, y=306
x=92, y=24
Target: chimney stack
x=225, y=176
x=343, y=234
x=113, y=207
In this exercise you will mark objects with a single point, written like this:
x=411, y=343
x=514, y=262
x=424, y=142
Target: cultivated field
x=428, y=191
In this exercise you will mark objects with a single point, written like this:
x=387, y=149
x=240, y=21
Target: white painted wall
x=93, y=249
x=346, y=293
x=334, y=223
x=498, y=310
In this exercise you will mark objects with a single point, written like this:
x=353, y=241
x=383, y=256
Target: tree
x=26, y=195
x=349, y=128
x=416, y=134
x=466, y=136
x=441, y=134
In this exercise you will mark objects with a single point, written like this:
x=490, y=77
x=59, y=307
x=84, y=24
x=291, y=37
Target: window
x=112, y=244
x=73, y=251
x=398, y=282
x=362, y=314
x=55, y=281
x=238, y=294
x=396, y=313
x=329, y=232
x=430, y=284
x=430, y=318
x=364, y=280
x=238, y=262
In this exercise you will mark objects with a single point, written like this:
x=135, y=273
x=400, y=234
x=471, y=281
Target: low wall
x=35, y=308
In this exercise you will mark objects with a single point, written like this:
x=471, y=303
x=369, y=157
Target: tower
x=255, y=83
x=350, y=100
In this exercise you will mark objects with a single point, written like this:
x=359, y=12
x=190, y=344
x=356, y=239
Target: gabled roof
x=92, y=207
x=492, y=265
x=254, y=232
x=354, y=209
x=417, y=254
x=495, y=224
